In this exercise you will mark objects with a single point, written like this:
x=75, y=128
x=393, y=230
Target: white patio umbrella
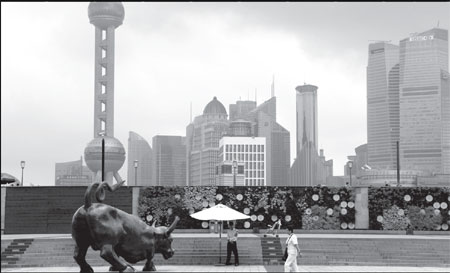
x=220, y=213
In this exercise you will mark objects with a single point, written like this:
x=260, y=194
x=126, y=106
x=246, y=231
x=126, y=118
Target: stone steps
x=252, y=250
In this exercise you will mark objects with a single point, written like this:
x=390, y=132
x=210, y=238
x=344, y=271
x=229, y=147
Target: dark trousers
x=232, y=246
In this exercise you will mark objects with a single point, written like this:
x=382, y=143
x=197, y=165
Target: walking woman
x=293, y=250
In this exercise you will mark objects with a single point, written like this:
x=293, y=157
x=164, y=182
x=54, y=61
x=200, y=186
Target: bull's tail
x=99, y=188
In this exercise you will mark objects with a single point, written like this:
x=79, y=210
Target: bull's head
x=163, y=242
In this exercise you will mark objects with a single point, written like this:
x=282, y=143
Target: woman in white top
x=293, y=250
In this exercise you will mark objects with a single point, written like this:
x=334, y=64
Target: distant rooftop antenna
x=191, y=112
x=273, y=87
x=256, y=95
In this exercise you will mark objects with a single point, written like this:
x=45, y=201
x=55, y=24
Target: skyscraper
x=383, y=118
x=307, y=122
x=169, y=160
x=202, y=144
x=425, y=102
x=140, y=150
x=277, y=138
x=309, y=168
x=408, y=101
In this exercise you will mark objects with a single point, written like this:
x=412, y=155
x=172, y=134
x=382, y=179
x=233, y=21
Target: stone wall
x=41, y=210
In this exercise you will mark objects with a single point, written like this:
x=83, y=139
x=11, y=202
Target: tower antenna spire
x=273, y=87
x=191, y=113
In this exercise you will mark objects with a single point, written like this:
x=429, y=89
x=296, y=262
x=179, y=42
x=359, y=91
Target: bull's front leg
x=149, y=265
x=108, y=254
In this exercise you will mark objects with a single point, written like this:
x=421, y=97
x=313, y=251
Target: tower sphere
x=105, y=14
x=114, y=154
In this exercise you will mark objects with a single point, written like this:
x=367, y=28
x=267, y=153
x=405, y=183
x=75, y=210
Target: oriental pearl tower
x=106, y=17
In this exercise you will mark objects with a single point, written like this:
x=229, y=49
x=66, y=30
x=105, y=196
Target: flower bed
x=414, y=208
x=327, y=208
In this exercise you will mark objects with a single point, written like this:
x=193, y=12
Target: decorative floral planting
x=303, y=207
x=409, y=208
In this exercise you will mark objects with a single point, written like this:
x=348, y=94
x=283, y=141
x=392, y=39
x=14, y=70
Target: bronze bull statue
x=122, y=238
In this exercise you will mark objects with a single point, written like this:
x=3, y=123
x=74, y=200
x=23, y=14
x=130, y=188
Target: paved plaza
x=244, y=268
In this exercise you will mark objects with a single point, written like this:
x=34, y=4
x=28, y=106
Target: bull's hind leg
x=117, y=263
x=80, y=257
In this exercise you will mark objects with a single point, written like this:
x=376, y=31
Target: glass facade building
x=140, y=150
x=425, y=102
x=383, y=118
x=169, y=160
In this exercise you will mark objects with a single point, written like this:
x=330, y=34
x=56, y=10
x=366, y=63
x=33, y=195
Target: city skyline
x=167, y=58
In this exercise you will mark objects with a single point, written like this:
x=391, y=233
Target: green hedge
x=303, y=207
x=409, y=208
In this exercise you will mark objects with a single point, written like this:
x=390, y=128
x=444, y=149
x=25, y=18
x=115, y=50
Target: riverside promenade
x=338, y=261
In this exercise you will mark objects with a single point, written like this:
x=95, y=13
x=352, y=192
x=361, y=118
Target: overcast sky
x=171, y=54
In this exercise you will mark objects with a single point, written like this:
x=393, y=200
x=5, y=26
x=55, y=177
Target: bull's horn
x=172, y=226
x=154, y=224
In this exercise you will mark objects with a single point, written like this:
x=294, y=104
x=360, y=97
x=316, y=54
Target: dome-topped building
x=202, y=143
x=215, y=108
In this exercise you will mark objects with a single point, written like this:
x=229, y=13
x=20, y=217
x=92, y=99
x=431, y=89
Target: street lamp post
x=234, y=172
x=22, y=165
x=102, y=134
x=135, y=171
x=350, y=165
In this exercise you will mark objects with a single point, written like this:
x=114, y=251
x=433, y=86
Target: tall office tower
x=169, y=160
x=106, y=17
x=241, y=108
x=277, y=142
x=249, y=156
x=383, y=116
x=307, y=119
x=202, y=144
x=309, y=168
x=72, y=173
x=425, y=102
x=139, y=172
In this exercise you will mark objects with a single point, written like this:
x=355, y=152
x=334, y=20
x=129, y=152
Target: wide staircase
x=190, y=250
x=376, y=252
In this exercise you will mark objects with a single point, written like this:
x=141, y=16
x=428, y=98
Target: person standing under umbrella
x=232, y=235
x=293, y=250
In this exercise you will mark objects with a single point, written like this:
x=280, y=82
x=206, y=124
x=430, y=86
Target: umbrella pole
x=220, y=242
